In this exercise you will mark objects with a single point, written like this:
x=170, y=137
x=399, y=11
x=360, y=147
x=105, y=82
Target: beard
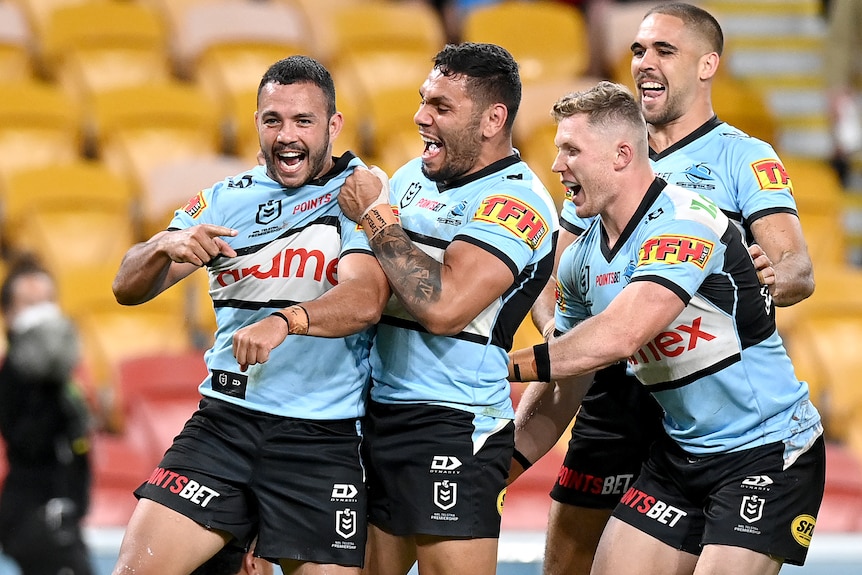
x=462, y=150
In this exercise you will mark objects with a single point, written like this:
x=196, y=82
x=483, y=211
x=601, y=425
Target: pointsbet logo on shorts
x=802, y=528
x=514, y=215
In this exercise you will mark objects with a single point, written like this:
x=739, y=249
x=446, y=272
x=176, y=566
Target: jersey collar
x=707, y=127
x=489, y=169
x=651, y=195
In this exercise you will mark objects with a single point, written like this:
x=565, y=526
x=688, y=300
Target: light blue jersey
x=743, y=175
x=719, y=370
x=288, y=247
x=505, y=210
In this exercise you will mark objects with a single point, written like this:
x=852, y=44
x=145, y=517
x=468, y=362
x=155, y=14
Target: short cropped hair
x=491, y=74
x=296, y=69
x=698, y=19
x=606, y=104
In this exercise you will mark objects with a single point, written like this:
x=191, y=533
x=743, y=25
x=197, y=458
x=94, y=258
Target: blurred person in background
x=843, y=73
x=45, y=423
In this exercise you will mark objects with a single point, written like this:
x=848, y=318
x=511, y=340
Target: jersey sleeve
x=513, y=222
x=762, y=184
x=571, y=221
x=683, y=246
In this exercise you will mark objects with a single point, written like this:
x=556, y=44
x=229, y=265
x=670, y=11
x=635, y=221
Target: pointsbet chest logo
x=516, y=216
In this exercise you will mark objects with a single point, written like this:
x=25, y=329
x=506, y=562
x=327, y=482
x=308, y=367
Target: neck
x=663, y=136
x=619, y=212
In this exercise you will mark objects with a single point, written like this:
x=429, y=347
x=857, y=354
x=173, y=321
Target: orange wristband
x=376, y=219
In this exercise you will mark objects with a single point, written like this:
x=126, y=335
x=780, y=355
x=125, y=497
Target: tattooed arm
x=443, y=297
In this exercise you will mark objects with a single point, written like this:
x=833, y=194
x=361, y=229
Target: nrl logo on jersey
x=268, y=212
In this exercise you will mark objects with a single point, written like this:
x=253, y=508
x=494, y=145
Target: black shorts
x=617, y=423
x=297, y=484
x=742, y=499
x=435, y=470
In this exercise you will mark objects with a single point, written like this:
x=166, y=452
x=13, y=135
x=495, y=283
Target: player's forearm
x=542, y=312
x=143, y=273
x=794, y=279
x=346, y=309
x=544, y=412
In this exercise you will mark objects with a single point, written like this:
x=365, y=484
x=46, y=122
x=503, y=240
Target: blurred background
x=114, y=112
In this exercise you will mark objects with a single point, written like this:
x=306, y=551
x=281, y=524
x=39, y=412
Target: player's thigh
x=572, y=537
x=625, y=549
x=289, y=567
x=388, y=554
x=440, y=556
x=161, y=541
x=731, y=560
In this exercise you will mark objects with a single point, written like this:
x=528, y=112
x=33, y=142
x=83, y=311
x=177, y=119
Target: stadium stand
x=547, y=38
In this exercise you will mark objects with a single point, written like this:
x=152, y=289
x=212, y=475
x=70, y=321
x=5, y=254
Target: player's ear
x=709, y=65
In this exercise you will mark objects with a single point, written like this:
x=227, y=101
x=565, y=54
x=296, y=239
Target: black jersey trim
x=487, y=170
x=414, y=325
x=682, y=382
x=649, y=198
x=704, y=129
x=571, y=228
x=681, y=293
x=493, y=250
x=340, y=163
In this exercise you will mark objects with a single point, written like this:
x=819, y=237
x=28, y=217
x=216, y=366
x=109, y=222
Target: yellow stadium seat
x=373, y=27
x=34, y=114
x=225, y=49
x=85, y=238
x=547, y=38
x=833, y=338
x=111, y=337
x=16, y=59
x=169, y=185
x=66, y=188
x=89, y=47
x=816, y=185
x=133, y=129
x=385, y=87
x=38, y=12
